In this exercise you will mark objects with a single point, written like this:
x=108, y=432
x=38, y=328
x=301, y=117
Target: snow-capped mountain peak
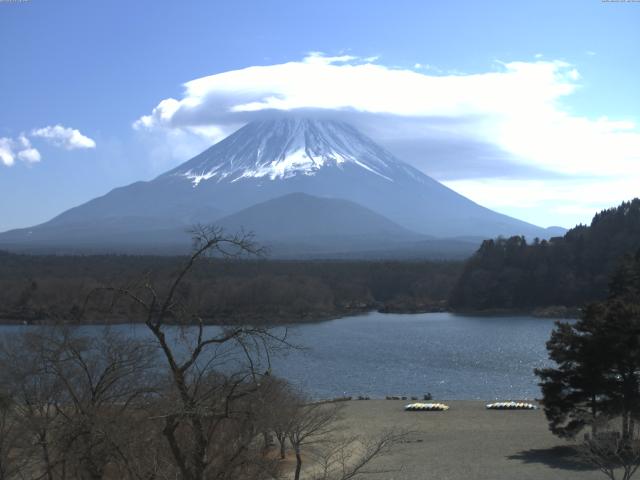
x=292, y=170
x=284, y=148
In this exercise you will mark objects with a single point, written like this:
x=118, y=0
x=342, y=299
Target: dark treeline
x=35, y=287
x=569, y=271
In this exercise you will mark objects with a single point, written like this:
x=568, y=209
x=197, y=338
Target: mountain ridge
x=267, y=160
x=299, y=215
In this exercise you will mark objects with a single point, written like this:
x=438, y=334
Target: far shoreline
x=553, y=312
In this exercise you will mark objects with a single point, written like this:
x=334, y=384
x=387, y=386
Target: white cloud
x=563, y=201
x=30, y=155
x=7, y=156
x=27, y=153
x=23, y=141
x=513, y=115
x=68, y=138
x=20, y=149
x=341, y=83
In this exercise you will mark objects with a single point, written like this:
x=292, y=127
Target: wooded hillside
x=512, y=274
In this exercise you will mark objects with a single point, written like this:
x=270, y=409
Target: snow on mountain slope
x=284, y=148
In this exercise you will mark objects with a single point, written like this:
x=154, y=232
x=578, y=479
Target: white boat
x=426, y=407
x=511, y=406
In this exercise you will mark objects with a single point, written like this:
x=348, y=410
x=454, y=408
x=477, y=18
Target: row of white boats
x=440, y=407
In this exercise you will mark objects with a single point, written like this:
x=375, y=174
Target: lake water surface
x=450, y=356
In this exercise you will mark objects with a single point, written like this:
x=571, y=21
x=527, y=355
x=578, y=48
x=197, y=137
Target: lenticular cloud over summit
x=348, y=83
x=478, y=132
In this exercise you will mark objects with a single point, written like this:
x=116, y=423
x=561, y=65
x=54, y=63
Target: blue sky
x=75, y=72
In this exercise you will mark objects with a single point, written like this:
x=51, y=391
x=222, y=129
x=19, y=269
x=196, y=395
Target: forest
x=258, y=290
x=511, y=274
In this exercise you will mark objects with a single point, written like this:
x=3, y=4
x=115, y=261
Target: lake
x=450, y=356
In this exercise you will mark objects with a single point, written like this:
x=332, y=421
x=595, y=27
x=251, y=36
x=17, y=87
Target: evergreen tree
x=598, y=362
x=564, y=271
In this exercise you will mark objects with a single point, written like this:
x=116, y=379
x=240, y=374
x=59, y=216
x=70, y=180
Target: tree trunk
x=200, y=448
x=298, y=464
x=169, y=433
x=282, y=440
x=45, y=455
x=594, y=412
x=268, y=440
x=625, y=428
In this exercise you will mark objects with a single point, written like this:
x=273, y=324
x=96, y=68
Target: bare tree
x=12, y=439
x=101, y=406
x=314, y=429
x=614, y=449
x=107, y=380
x=209, y=420
x=281, y=407
x=311, y=424
x=35, y=395
x=353, y=457
x=74, y=398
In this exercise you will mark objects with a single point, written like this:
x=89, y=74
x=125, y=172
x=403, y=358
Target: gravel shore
x=468, y=442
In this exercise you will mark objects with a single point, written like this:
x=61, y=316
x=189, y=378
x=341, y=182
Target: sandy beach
x=469, y=442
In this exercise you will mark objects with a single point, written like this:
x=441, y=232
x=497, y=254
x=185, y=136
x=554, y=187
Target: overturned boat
x=511, y=406
x=426, y=407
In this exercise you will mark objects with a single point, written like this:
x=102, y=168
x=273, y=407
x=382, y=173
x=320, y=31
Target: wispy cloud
x=509, y=122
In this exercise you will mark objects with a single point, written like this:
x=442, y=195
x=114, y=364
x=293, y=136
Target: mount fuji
x=286, y=178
